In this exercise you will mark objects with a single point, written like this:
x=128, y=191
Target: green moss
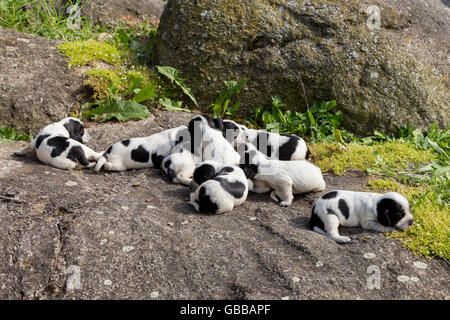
x=396, y=156
x=83, y=52
x=430, y=233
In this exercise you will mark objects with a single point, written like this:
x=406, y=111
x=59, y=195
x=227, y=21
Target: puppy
x=60, y=144
x=179, y=165
x=283, y=177
x=274, y=145
x=217, y=188
x=208, y=143
x=145, y=152
x=372, y=211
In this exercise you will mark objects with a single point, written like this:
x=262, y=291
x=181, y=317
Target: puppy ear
x=250, y=170
x=75, y=130
x=218, y=122
x=389, y=212
x=203, y=173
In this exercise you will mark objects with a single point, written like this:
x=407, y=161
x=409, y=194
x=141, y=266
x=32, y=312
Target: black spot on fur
x=140, y=154
x=206, y=205
x=59, y=144
x=330, y=195
x=236, y=189
x=107, y=152
x=167, y=163
x=41, y=138
x=171, y=174
x=76, y=154
x=344, y=208
x=308, y=154
x=157, y=160
x=216, y=123
x=249, y=168
x=203, y=173
x=75, y=129
x=126, y=142
x=288, y=148
x=315, y=221
x=262, y=143
x=389, y=212
x=329, y=211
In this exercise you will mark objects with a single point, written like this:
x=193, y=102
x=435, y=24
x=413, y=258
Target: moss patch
x=396, y=156
x=83, y=52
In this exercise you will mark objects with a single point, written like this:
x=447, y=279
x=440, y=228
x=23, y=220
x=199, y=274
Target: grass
x=43, y=18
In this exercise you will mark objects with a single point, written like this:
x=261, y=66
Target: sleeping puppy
x=372, y=211
x=145, y=152
x=217, y=188
x=60, y=145
x=284, y=177
x=274, y=145
x=208, y=143
x=179, y=165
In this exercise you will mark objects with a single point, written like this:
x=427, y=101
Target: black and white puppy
x=144, y=152
x=60, y=145
x=372, y=211
x=179, y=165
x=217, y=188
x=208, y=143
x=285, y=178
x=274, y=145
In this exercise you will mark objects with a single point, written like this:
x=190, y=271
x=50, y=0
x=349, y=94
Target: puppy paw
x=343, y=239
x=285, y=203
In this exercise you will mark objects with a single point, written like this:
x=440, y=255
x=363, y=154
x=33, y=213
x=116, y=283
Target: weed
x=223, y=105
x=83, y=52
x=9, y=134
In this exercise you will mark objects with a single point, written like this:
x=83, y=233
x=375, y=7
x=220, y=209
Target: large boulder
x=132, y=235
x=36, y=87
x=381, y=77
x=109, y=11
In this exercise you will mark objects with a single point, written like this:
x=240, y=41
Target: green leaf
x=172, y=105
x=122, y=110
x=9, y=134
x=438, y=149
x=123, y=36
x=174, y=75
x=144, y=94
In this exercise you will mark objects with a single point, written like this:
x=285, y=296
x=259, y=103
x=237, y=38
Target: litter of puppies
x=222, y=161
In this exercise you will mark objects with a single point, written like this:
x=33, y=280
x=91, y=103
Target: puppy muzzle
x=405, y=223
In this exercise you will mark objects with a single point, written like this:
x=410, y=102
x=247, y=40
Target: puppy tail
x=28, y=148
x=100, y=162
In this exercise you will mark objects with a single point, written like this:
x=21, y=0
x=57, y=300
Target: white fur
x=213, y=146
x=284, y=177
x=122, y=157
x=214, y=188
x=362, y=211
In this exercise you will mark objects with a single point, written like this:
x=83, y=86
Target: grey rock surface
x=36, y=87
x=111, y=11
x=382, y=76
x=81, y=234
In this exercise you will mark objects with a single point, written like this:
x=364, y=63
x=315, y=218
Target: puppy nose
x=410, y=222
